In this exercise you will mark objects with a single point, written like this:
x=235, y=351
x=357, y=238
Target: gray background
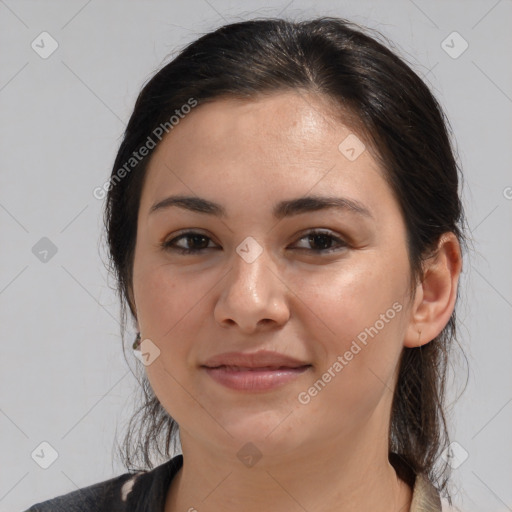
x=63, y=376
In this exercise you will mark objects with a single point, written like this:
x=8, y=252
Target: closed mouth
x=259, y=368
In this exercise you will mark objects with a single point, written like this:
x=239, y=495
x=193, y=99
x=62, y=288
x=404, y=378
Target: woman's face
x=337, y=301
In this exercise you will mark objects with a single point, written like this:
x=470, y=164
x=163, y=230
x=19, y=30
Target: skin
x=330, y=454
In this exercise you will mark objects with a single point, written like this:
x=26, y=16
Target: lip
x=254, y=379
x=261, y=359
x=258, y=371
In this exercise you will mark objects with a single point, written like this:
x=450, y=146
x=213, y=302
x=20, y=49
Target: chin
x=269, y=431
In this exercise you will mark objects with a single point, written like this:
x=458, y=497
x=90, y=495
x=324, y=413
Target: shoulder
x=127, y=492
x=107, y=495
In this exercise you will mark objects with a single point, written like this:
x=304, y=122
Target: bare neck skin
x=334, y=476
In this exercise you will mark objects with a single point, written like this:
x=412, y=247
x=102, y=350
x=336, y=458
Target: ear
x=436, y=292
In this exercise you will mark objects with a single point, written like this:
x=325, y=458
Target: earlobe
x=436, y=293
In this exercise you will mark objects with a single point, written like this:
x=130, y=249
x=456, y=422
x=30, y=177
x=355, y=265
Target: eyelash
x=168, y=245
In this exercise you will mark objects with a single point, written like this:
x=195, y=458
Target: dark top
x=146, y=491
x=143, y=491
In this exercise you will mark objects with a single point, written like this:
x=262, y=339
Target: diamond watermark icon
x=44, y=250
x=147, y=352
x=45, y=455
x=249, y=454
x=44, y=45
x=249, y=249
x=454, y=45
x=351, y=147
x=455, y=455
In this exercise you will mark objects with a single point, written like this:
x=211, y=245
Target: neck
x=335, y=476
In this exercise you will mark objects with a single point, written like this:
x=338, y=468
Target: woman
x=284, y=223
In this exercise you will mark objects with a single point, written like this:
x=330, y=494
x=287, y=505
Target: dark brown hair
x=399, y=119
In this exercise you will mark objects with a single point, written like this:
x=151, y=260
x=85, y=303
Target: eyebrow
x=281, y=210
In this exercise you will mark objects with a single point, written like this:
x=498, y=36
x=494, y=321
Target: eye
x=199, y=242
x=324, y=240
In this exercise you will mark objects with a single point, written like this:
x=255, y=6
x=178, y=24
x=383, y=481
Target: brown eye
x=198, y=241
x=324, y=242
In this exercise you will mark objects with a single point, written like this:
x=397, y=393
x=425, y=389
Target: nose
x=253, y=296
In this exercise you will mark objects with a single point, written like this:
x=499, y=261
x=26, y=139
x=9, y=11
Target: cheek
x=360, y=313
x=173, y=308
x=164, y=298
x=352, y=298
x=156, y=296
x=170, y=307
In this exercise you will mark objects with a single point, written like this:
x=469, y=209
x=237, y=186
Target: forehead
x=285, y=142
x=288, y=119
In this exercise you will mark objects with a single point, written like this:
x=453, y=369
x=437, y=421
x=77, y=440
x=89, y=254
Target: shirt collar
x=425, y=497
